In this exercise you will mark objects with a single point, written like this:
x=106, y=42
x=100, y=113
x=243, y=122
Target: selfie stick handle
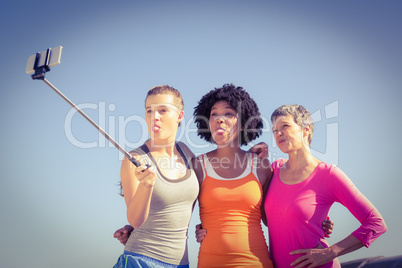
x=106, y=135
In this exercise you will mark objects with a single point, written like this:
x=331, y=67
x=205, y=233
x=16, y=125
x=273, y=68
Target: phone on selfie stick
x=40, y=63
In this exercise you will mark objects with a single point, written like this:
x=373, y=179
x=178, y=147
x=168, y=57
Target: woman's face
x=162, y=116
x=288, y=135
x=223, y=123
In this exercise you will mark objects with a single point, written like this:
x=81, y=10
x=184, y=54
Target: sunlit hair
x=165, y=89
x=301, y=116
x=249, y=116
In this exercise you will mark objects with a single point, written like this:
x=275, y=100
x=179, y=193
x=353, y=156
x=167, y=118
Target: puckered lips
x=281, y=141
x=155, y=128
x=220, y=131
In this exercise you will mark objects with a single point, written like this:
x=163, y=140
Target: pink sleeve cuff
x=371, y=228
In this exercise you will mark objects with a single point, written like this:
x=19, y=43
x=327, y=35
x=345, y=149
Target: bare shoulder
x=126, y=163
x=135, y=154
x=263, y=163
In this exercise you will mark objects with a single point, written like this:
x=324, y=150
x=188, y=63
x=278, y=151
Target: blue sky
x=58, y=178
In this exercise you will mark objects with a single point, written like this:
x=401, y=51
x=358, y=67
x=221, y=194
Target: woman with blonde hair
x=160, y=194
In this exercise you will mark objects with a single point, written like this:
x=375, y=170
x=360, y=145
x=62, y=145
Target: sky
x=59, y=198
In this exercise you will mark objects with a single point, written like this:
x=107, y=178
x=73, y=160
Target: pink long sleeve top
x=295, y=212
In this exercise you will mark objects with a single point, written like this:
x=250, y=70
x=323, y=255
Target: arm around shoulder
x=264, y=173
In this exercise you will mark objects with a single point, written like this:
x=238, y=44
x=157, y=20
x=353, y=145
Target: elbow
x=134, y=225
x=380, y=226
x=369, y=233
x=137, y=213
x=384, y=227
x=135, y=222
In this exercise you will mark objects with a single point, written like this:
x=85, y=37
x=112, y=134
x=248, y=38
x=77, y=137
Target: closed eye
x=230, y=115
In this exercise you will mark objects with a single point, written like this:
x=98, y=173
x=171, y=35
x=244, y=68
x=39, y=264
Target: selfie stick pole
x=40, y=75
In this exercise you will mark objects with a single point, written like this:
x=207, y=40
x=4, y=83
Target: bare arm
x=347, y=245
x=264, y=173
x=261, y=149
x=319, y=256
x=137, y=185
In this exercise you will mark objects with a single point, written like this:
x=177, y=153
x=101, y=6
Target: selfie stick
x=40, y=75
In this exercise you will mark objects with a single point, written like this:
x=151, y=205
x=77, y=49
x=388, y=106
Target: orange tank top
x=230, y=212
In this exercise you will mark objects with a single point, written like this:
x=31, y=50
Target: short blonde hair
x=165, y=89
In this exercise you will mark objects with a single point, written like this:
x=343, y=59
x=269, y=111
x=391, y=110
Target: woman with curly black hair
x=241, y=102
x=231, y=180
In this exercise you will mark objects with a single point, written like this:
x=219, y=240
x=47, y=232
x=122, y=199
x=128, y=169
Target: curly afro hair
x=250, y=119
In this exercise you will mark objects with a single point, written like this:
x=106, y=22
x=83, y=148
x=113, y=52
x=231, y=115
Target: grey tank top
x=163, y=236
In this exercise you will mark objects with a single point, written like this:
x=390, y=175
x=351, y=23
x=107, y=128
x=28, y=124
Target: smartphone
x=53, y=59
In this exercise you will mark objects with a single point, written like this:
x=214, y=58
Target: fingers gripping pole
x=106, y=135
